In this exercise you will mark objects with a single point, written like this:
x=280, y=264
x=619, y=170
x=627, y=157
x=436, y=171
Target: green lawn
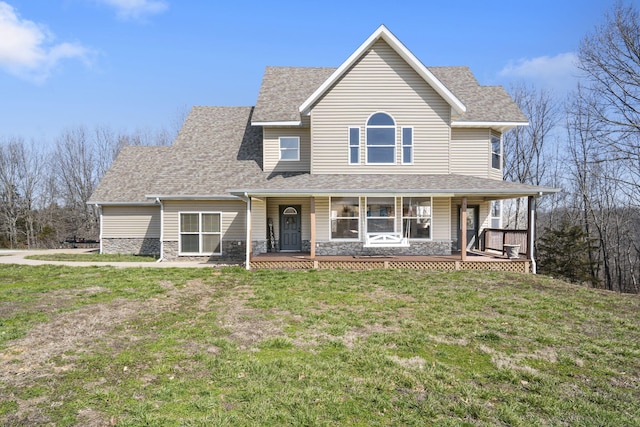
x=196, y=347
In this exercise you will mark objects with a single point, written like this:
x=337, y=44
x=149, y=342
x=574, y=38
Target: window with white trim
x=381, y=139
x=381, y=215
x=407, y=145
x=289, y=148
x=200, y=233
x=416, y=217
x=496, y=152
x=354, y=145
x=496, y=214
x=345, y=217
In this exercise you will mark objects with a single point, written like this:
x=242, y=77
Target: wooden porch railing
x=496, y=238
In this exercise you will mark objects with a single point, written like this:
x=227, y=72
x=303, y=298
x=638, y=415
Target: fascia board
x=516, y=192
x=191, y=197
x=478, y=124
x=275, y=124
x=121, y=203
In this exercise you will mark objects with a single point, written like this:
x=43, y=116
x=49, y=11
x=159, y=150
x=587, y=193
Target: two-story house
x=381, y=155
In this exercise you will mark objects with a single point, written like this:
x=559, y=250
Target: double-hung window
x=416, y=217
x=289, y=148
x=381, y=215
x=407, y=145
x=200, y=233
x=496, y=152
x=381, y=139
x=354, y=145
x=345, y=217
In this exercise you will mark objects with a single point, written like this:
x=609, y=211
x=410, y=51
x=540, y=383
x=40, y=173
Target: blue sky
x=134, y=64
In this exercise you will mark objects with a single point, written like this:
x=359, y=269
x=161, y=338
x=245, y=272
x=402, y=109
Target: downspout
x=532, y=233
x=248, y=244
x=100, y=234
x=161, y=229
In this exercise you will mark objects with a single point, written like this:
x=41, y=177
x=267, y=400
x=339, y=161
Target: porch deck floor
x=306, y=256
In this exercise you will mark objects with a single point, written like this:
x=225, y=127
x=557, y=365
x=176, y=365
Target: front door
x=473, y=226
x=290, y=228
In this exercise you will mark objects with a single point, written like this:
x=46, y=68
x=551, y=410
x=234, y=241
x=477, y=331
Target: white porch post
x=463, y=230
x=312, y=218
x=531, y=227
x=248, y=244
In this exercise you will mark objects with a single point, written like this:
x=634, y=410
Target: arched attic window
x=381, y=138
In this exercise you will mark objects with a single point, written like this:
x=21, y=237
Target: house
x=381, y=155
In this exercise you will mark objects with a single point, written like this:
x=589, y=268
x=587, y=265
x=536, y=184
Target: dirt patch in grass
x=47, y=349
x=248, y=326
x=51, y=302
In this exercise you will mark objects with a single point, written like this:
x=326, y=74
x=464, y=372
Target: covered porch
x=373, y=221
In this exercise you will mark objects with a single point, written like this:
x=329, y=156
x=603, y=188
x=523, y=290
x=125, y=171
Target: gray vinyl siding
x=380, y=81
x=233, y=216
x=273, y=212
x=471, y=152
x=130, y=222
x=271, y=149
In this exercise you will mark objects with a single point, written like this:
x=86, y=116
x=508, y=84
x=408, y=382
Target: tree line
x=44, y=191
x=588, y=145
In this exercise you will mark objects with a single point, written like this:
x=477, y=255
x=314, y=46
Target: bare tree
x=77, y=174
x=525, y=147
x=19, y=184
x=610, y=60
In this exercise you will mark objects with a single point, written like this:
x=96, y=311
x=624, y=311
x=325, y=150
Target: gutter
x=100, y=234
x=161, y=229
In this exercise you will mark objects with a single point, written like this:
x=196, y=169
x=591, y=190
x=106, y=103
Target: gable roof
x=383, y=33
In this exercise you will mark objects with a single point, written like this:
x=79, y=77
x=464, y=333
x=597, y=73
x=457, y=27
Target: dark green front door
x=290, y=228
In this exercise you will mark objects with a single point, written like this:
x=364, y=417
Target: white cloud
x=555, y=72
x=134, y=9
x=27, y=49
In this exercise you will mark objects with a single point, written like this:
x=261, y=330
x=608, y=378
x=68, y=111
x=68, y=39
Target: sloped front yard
x=106, y=346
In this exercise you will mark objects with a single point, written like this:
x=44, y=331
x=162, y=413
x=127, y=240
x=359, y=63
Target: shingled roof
x=484, y=103
x=327, y=184
x=219, y=153
x=216, y=148
x=284, y=89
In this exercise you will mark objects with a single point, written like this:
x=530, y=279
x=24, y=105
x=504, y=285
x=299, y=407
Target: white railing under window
x=386, y=240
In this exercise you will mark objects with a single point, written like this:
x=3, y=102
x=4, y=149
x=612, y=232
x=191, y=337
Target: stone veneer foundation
x=233, y=251
x=137, y=246
x=442, y=247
